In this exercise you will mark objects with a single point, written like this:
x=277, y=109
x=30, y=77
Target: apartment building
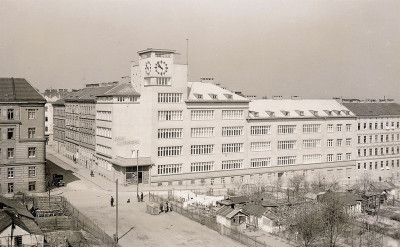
x=80, y=127
x=378, y=139
x=59, y=126
x=22, y=137
x=51, y=96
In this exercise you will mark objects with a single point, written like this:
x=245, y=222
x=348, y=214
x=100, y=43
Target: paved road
x=136, y=228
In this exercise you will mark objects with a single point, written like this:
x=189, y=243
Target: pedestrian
x=161, y=207
x=138, y=197
x=141, y=196
x=129, y=200
x=112, y=201
x=166, y=206
x=170, y=207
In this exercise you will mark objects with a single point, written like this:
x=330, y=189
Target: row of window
x=381, y=125
x=378, y=151
x=104, y=115
x=254, y=163
x=103, y=149
x=378, y=138
x=106, y=132
x=10, y=189
x=378, y=164
x=11, y=152
x=31, y=172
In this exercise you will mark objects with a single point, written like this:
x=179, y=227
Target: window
x=169, y=133
x=31, y=132
x=170, y=115
x=202, y=114
x=312, y=143
x=286, y=129
x=348, y=142
x=330, y=127
x=163, y=81
x=330, y=143
x=348, y=156
x=329, y=157
x=232, y=114
x=31, y=114
x=286, y=160
x=32, y=171
x=286, y=145
x=202, y=166
x=260, y=146
x=348, y=127
x=339, y=127
x=312, y=158
x=260, y=162
x=10, y=188
x=104, y=149
x=169, y=151
x=339, y=142
x=311, y=128
x=10, y=153
x=32, y=186
x=10, y=114
x=232, y=164
x=202, y=132
x=202, y=149
x=169, y=97
x=103, y=115
x=339, y=157
x=232, y=148
x=104, y=132
x=212, y=181
x=32, y=152
x=232, y=131
x=10, y=133
x=169, y=169
x=260, y=130
x=10, y=172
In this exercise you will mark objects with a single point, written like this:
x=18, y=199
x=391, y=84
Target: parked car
x=58, y=180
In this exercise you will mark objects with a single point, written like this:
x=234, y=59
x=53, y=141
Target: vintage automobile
x=58, y=180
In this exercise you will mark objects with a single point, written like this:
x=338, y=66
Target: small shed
x=234, y=201
x=231, y=218
x=255, y=215
x=350, y=201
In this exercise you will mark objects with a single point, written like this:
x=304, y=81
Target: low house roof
x=239, y=199
x=7, y=218
x=346, y=198
x=229, y=212
x=16, y=206
x=253, y=209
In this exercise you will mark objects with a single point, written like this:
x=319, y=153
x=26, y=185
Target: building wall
x=374, y=135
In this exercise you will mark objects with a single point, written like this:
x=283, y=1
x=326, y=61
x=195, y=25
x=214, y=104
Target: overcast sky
x=315, y=49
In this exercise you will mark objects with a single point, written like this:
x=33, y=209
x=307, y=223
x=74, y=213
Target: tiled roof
x=374, y=109
x=253, y=209
x=88, y=93
x=228, y=212
x=17, y=206
x=208, y=92
x=17, y=90
x=7, y=218
x=125, y=89
x=297, y=108
x=59, y=102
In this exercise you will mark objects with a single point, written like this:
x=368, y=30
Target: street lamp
x=137, y=173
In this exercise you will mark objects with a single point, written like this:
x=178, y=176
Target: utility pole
x=137, y=173
x=116, y=206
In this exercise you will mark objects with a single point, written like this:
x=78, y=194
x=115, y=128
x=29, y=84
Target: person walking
x=141, y=196
x=112, y=201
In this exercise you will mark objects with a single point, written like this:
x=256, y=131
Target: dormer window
x=254, y=113
x=315, y=113
x=329, y=113
x=337, y=112
x=301, y=113
x=213, y=96
x=346, y=112
x=270, y=113
x=228, y=96
x=199, y=96
x=285, y=113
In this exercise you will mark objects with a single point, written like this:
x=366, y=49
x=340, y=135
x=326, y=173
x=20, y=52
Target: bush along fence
x=200, y=216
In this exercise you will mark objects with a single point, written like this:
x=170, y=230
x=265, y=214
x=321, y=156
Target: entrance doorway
x=133, y=176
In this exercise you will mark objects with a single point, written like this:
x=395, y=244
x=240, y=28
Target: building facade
x=378, y=140
x=22, y=137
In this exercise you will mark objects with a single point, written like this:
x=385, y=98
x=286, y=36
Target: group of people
x=139, y=198
x=165, y=207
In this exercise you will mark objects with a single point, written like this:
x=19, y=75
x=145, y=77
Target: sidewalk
x=105, y=184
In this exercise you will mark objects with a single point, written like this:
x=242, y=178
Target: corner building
x=178, y=132
x=22, y=137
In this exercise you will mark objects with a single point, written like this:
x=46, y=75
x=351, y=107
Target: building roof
x=374, y=109
x=297, y=108
x=125, y=89
x=7, y=218
x=239, y=199
x=59, y=102
x=17, y=90
x=253, y=209
x=209, y=92
x=124, y=162
x=228, y=212
x=15, y=205
x=345, y=198
x=156, y=50
x=88, y=93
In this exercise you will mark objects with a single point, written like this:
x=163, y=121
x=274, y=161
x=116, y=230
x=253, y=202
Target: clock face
x=161, y=67
x=147, y=67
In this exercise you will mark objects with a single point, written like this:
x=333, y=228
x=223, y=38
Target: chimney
x=277, y=97
x=295, y=97
x=206, y=79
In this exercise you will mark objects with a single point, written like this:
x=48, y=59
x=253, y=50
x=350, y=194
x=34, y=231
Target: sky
x=313, y=49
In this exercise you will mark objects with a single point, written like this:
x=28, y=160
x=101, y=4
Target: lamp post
x=137, y=173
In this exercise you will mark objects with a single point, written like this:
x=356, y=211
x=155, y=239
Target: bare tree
x=319, y=182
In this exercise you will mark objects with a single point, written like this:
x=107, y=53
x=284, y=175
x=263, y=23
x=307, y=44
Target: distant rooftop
x=17, y=90
x=374, y=109
x=209, y=92
x=156, y=50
